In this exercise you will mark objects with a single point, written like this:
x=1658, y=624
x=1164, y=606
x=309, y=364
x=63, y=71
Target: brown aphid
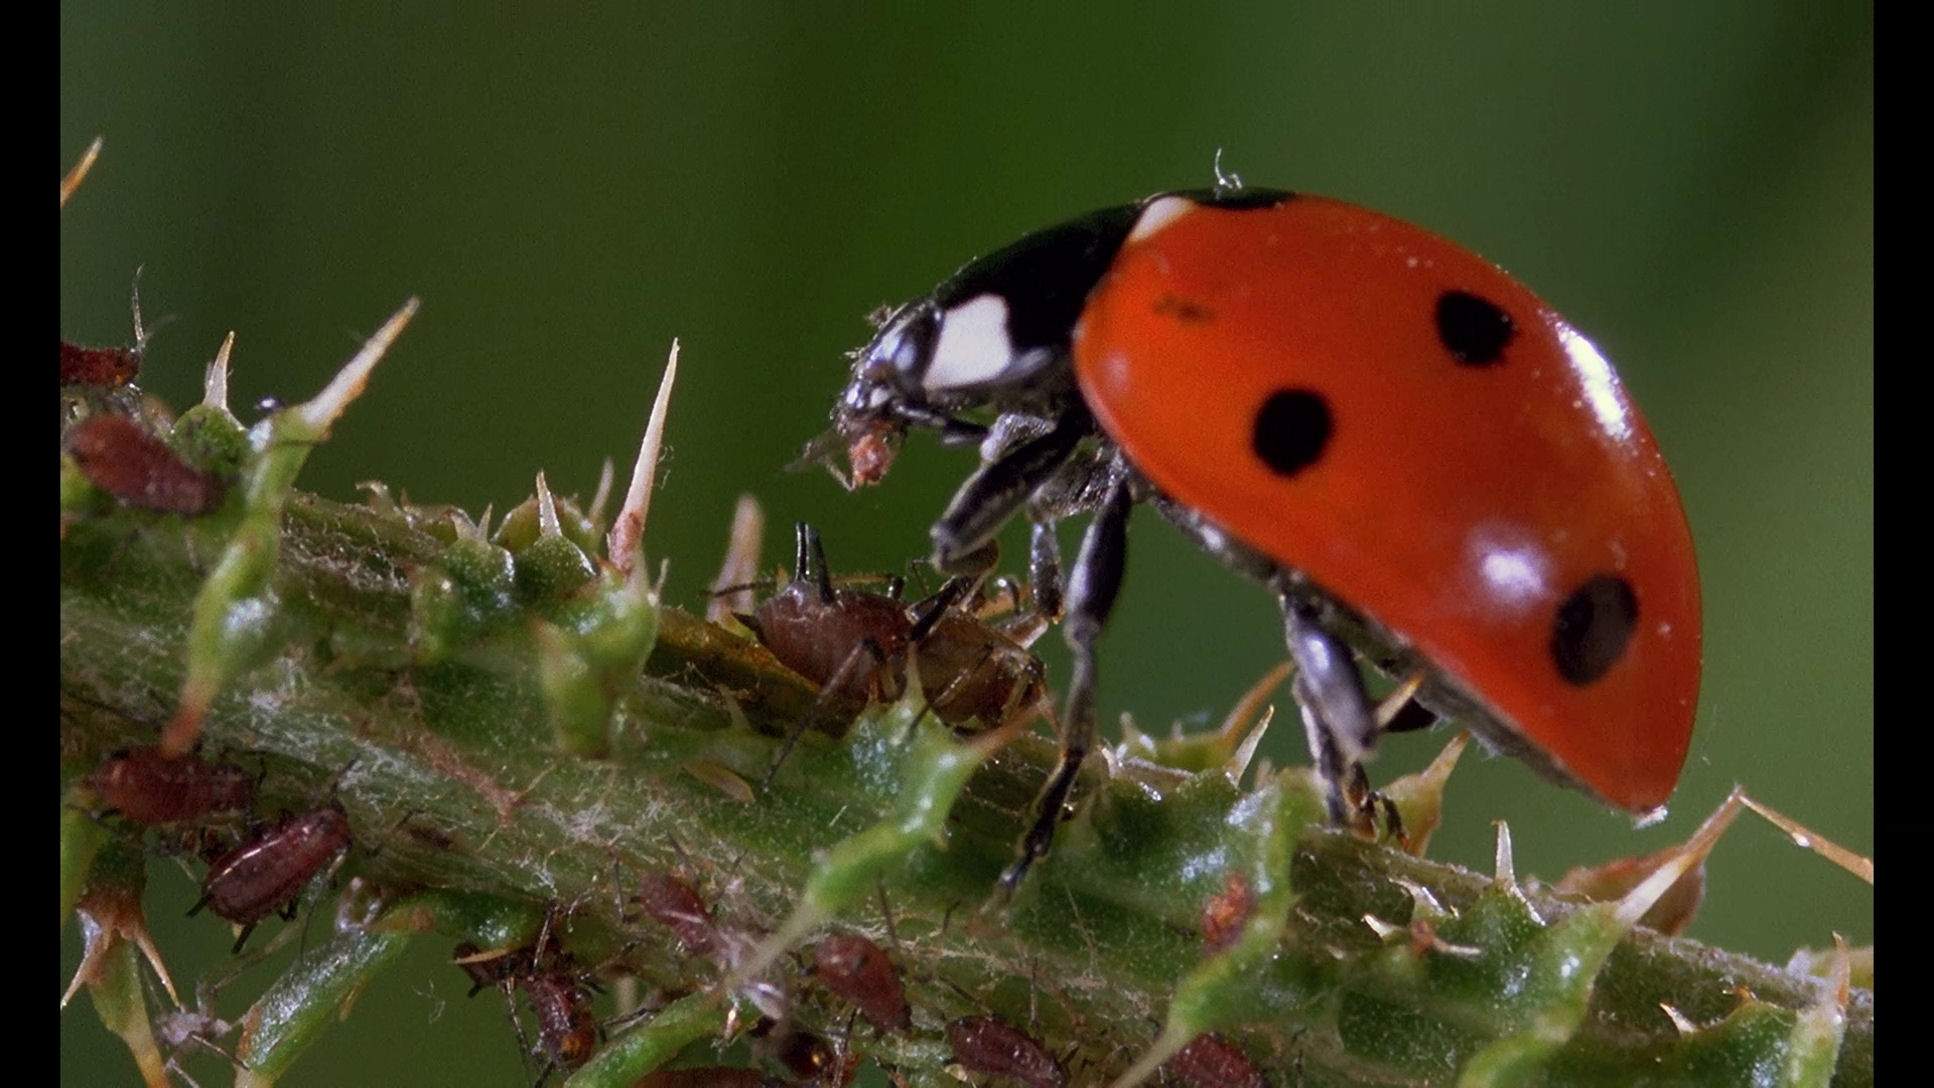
x=856, y=645
x=673, y=903
x=566, y=1028
x=120, y=458
x=265, y=875
x=859, y=971
x=110, y=367
x=1211, y=1061
x=839, y=638
x=149, y=788
x=1227, y=913
x=975, y=672
x=991, y=1046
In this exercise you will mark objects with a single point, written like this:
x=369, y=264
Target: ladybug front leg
x=1093, y=585
x=1337, y=716
x=963, y=538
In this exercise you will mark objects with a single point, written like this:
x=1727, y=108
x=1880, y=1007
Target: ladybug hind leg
x=1338, y=719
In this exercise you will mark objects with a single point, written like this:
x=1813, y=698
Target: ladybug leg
x=1044, y=569
x=996, y=491
x=1092, y=588
x=1337, y=715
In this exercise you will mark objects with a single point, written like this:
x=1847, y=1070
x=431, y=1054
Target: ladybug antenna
x=809, y=560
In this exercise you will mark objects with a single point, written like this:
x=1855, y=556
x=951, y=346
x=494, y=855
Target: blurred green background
x=1690, y=183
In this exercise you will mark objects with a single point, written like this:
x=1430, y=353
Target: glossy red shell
x=1458, y=507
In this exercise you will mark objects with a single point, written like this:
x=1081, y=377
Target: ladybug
x=1417, y=455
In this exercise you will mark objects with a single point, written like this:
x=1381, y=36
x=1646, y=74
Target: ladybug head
x=883, y=398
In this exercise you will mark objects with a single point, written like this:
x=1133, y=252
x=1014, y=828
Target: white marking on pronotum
x=973, y=344
x=327, y=406
x=626, y=543
x=1158, y=215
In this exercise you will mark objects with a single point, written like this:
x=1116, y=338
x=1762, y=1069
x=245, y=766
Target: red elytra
x=1470, y=507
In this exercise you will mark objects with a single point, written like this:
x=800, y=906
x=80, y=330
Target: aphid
x=1227, y=913
x=120, y=458
x=566, y=1028
x=150, y=788
x=856, y=644
x=859, y=971
x=1409, y=448
x=673, y=903
x=990, y=1046
x=1210, y=1061
x=261, y=877
x=82, y=365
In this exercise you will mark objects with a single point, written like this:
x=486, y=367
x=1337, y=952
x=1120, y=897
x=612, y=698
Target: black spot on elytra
x=1181, y=309
x=1474, y=330
x=1593, y=628
x=1291, y=430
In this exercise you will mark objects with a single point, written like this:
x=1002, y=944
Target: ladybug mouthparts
x=870, y=451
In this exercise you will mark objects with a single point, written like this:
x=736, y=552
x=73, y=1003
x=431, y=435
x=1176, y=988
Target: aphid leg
x=241, y=939
x=1092, y=588
x=1336, y=710
x=866, y=655
x=968, y=573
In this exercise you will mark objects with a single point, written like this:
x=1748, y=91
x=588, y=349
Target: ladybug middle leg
x=1093, y=585
x=1338, y=718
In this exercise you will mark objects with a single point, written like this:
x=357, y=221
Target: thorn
x=144, y=941
x=1640, y=899
x=1251, y=704
x=1859, y=866
x=741, y=563
x=214, y=384
x=79, y=173
x=1238, y=761
x=1507, y=875
x=328, y=406
x=1840, y=972
x=625, y=545
x=1384, y=930
x=140, y=334
x=1680, y=1021
x=1393, y=703
x=602, y=494
x=547, y=524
